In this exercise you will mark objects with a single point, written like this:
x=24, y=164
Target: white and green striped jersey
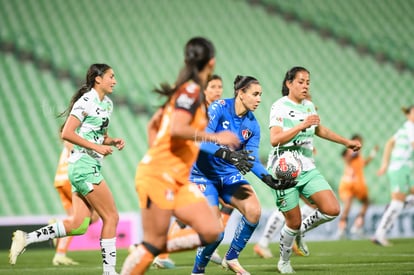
x=287, y=114
x=403, y=152
x=94, y=115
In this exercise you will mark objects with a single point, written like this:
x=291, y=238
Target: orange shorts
x=65, y=193
x=165, y=192
x=353, y=189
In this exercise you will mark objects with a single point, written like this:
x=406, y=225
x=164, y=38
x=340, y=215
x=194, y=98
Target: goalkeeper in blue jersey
x=219, y=175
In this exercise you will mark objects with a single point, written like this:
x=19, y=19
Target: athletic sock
x=204, y=254
x=306, y=211
x=138, y=261
x=409, y=200
x=108, y=249
x=388, y=218
x=273, y=226
x=287, y=238
x=315, y=219
x=242, y=235
x=48, y=232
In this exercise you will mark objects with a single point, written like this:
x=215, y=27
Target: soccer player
x=162, y=178
x=397, y=162
x=219, y=179
x=213, y=92
x=293, y=124
x=352, y=186
x=86, y=127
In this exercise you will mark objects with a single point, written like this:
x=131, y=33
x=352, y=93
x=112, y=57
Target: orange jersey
x=354, y=171
x=61, y=177
x=176, y=156
x=353, y=181
x=163, y=173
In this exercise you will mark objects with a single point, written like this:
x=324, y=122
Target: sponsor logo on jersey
x=246, y=134
x=185, y=102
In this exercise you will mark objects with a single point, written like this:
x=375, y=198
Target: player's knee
x=334, y=211
x=253, y=214
x=80, y=229
x=111, y=219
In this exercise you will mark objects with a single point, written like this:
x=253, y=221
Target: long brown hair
x=93, y=71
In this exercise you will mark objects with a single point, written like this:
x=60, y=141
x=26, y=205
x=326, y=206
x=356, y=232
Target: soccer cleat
x=215, y=258
x=299, y=246
x=381, y=242
x=284, y=267
x=234, y=266
x=110, y=273
x=163, y=263
x=63, y=260
x=263, y=252
x=18, y=245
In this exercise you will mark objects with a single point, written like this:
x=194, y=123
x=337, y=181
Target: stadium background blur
x=359, y=54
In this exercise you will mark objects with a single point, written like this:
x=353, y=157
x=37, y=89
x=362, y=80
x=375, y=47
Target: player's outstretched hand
x=241, y=159
x=278, y=184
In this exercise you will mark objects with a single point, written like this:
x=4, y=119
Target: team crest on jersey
x=246, y=134
x=221, y=102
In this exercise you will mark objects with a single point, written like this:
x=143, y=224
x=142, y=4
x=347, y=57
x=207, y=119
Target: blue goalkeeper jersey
x=223, y=117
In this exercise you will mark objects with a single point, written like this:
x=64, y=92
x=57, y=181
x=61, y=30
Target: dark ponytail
x=197, y=53
x=241, y=83
x=290, y=76
x=93, y=71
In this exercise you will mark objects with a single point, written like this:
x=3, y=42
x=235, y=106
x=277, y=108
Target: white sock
x=273, y=226
x=306, y=211
x=51, y=231
x=315, y=219
x=287, y=238
x=108, y=248
x=388, y=218
x=409, y=200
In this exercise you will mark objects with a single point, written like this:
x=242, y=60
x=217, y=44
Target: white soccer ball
x=286, y=166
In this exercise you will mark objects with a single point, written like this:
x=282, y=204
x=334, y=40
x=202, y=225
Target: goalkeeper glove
x=241, y=159
x=278, y=184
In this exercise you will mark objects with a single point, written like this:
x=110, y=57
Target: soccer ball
x=286, y=166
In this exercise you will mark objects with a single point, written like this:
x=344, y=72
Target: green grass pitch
x=329, y=257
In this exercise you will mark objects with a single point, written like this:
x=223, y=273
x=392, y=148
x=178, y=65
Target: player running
x=293, y=124
x=397, y=162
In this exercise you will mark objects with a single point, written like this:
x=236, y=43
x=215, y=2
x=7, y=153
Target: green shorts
x=309, y=183
x=400, y=180
x=83, y=174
